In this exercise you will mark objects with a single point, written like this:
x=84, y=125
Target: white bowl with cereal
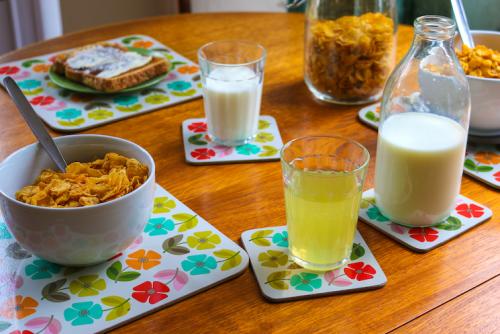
x=485, y=97
x=100, y=213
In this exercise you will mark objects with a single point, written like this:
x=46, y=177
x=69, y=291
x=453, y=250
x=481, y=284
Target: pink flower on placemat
x=46, y=325
x=151, y=292
x=203, y=154
x=56, y=106
x=423, y=234
x=21, y=75
x=359, y=271
x=224, y=150
x=171, y=76
x=42, y=100
x=497, y=176
x=334, y=277
x=179, y=278
x=397, y=228
x=198, y=127
x=470, y=210
x=9, y=70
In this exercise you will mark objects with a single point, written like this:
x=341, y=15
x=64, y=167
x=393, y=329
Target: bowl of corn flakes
x=87, y=214
x=482, y=67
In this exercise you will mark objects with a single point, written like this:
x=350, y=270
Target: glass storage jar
x=349, y=49
x=423, y=129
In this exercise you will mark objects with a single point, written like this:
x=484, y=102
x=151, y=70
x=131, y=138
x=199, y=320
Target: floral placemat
x=482, y=162
x=198, y=148
x=178, y=255
x=280, y=279
x=68, y=111
x=466, y=214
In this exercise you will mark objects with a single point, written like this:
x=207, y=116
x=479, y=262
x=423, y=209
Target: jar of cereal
x=349, y=49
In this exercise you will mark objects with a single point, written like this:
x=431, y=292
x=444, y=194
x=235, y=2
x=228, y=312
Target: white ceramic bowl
x=75, y=236
x=485, y=93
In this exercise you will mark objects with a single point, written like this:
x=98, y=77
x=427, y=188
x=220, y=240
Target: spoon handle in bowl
x=35, y=123
x=462, y=24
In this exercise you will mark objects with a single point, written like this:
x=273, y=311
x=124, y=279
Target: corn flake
x=480, y=61
x=84, y=184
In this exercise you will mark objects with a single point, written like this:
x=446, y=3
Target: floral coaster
x=199, y=149
x=68, y=111
x=178, y=255
x=465, y=216
x=280, y=279
x=482, y=162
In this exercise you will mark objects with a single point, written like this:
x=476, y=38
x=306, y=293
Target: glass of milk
x=232, y=73
x=423, y=130
x=323, y=179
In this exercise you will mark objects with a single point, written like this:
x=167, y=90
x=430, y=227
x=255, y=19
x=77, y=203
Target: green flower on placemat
x=306, y=282
x=163, y=205
x=83, y=313
x=157, y=99
x=41, y=269
x=181, y=88
x=30, y=86
x=199, y=264
x=68, y=114
x=375, y=214
x=273, y=259
x=127, y=103
x=203, y=240
x=281, y=239
x=159, y=226
x=247, y=149
x=264, y=137
x=88, y=285
x=100, y=114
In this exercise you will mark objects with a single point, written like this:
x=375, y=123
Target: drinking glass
x=232, y=73
x=323, y=180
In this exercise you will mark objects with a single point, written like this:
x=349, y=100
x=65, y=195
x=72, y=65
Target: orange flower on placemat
x=142, y=44
x=19, y=307
x=487, y=158
x=41, y=68
x=143, y=260
x=187, y=69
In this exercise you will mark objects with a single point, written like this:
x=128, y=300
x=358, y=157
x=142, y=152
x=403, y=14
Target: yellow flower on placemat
x=487, y=158
x=88, y=285
x=203, y=240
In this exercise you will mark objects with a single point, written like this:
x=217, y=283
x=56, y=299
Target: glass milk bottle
x=423, y=129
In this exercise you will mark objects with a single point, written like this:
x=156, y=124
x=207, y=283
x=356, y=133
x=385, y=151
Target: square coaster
x=198, y=148
x=281, y=280
x=482, y=162
x=68, y=111
x=179, y=254
x=466, y=214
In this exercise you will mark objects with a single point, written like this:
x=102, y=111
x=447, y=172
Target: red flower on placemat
x=470, y=210
x=9, y=70
x=359, y=271
x=23, y=332
x=42, y=100
x=198, y=127
x=423, y=234
x=151, y=292
x=203, y=154
x=497, y=176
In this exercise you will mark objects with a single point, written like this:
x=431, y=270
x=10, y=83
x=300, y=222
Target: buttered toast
x=108, y=67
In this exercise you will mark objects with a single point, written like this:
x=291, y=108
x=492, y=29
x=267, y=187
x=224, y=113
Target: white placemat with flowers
x=68, y=111
x=178, y=255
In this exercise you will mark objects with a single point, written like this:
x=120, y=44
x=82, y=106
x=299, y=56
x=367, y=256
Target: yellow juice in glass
x=321, y=212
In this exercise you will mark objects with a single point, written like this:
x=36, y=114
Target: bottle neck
x=434, y=28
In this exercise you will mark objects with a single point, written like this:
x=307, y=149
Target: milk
x=232, y=104
x=419, y=167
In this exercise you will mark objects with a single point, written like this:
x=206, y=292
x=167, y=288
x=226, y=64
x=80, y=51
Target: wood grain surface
x=237, y=197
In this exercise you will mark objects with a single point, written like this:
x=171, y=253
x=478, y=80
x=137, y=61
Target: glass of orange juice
x=323, y=179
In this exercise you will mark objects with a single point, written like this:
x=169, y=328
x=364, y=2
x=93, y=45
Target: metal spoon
x=34, y=123
x=462, y=24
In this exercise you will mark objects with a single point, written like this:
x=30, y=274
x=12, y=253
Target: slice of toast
x=155, y=67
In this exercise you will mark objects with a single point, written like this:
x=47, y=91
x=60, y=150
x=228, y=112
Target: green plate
x=65, y=83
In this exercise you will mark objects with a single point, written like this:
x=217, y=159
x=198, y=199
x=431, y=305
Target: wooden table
x=456, y=286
